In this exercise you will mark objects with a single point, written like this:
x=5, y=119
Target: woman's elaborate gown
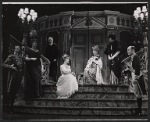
x=67, y=83
x=33, y=75
x=92, y=72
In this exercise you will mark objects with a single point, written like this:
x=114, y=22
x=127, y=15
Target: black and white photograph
x=75, y=61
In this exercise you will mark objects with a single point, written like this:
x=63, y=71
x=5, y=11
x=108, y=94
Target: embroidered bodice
x=65, y=69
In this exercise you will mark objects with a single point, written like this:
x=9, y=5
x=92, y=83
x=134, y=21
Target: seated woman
x=92, y=72
x=67, y=82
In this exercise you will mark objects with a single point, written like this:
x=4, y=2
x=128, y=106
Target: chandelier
x=26, y=18
x=141, y=28
x=141, y=18
x=25, y=15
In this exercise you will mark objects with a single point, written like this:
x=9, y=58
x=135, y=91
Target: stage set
x=76, y=32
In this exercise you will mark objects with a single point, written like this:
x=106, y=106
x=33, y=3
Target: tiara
x=96, y=47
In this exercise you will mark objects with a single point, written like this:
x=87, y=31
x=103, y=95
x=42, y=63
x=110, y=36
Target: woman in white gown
x=67, y=82
x=92, y=72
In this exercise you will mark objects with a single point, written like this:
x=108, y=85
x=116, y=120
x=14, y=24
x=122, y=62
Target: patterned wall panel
x=92, y=23
x=79, y=59
x=66, y=22
x=112, y=20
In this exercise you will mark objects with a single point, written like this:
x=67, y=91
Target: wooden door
x=97, y=37
x=79, y=51
x=82, y=43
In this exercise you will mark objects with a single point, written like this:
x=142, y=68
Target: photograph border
x=63, y=2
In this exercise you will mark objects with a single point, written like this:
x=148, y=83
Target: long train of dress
x=67, y=83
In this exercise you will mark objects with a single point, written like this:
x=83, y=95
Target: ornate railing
x=143, y=64
x=45, y=78
x=45, y=70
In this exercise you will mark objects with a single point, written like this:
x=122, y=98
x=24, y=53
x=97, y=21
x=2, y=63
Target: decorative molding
x=99, y=20
x=112, y=20
x=45, y=72
x=125, y=22
x=77, y=22
x=95, y=23
x=81, y=25
x=66, y=20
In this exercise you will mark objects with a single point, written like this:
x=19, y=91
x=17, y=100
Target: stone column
x=66, y=36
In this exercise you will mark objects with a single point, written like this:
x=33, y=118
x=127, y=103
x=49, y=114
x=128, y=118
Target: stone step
x=95, y=95
x=82, y=102
x=77, y=110
x=91, y=88
x=79, y=118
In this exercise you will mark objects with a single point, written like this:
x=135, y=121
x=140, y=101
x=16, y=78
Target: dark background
x=10, y=18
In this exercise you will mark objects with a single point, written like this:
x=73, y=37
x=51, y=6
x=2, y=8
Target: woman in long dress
x=67, y=82
x=93, y=70
x=33, y=72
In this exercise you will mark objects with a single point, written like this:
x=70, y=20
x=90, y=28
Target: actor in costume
x=92, y=72
x=33, y=72
x=14, y=64
x=67, y=82
x=138, y=82
x=52, y=54
x=113, y=51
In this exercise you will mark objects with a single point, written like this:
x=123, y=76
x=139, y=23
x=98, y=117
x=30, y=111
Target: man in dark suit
x=113, y=50
x=137, y=78
x=52, y=54
x=14, y=65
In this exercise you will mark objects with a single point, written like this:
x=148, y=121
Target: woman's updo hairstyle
x=96, y=48
x=65, y=56
x=112, y=36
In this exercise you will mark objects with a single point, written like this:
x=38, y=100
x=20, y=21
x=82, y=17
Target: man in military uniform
x=14, y=65
x=137, y=78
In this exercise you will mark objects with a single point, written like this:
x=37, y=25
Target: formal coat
x=14, y=65
x=137, y=77
x=51, y=53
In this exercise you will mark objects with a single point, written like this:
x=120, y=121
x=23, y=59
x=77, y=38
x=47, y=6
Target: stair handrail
x=45, y=63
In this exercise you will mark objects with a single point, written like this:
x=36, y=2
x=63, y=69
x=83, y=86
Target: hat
x=112, y=36
x=95, y=48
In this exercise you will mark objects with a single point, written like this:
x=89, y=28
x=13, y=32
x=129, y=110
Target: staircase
x=90, y=100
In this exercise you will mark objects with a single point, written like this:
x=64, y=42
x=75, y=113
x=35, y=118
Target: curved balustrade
x=71, y=19
x=45, y=70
